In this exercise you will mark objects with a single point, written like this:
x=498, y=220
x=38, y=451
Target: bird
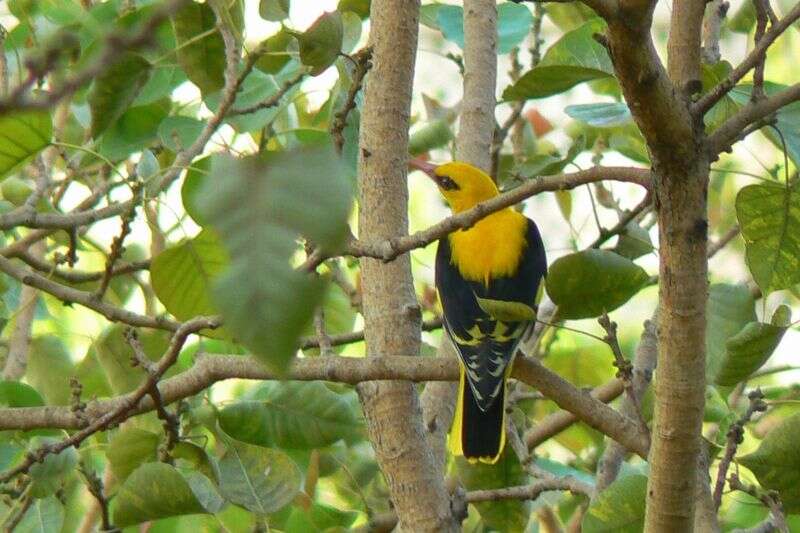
x=488, y=278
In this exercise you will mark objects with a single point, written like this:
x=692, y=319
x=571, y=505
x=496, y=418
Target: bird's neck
x=490, y=249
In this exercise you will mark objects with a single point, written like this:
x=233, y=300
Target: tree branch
x=530, y=492
x=389, y=249
x=210, y=369
x=730, y=130
x=704, y=104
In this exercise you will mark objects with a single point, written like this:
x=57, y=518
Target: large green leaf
x=749, y=349
x=157, y=490
x=51, y=474
x=319, y=517
x=776, y=462
x=49, y=369
x=321, y=43
x=45, y=515
x=276, y=52
x=182, y=275
x=513, y=24
x=179, y=132
x=586, y=284
x=619, y=508
x=114, y=355
x=134, y=130
x=202, y=58
x=769, y=217
x=116, y=89
x=297, y=415
x=503, y=515
x=22, y=135
x=16, y=394
x=129, y=449
x=260, y=206
x=728, y=309
x=259, y=479
x=193, y=183
x=573, y=59
x=431, y=135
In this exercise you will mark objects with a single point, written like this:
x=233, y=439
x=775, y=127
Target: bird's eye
x=447, y=183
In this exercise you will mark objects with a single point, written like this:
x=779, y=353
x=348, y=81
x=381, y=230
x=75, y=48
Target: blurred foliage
x=228, y=236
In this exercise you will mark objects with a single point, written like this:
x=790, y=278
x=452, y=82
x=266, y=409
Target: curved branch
x=389, y=249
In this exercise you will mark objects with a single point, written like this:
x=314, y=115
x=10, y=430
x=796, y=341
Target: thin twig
x=96, y=488
x=530, y=492
x=273, y=100
x=117, y=248
x=767, y=497
x=735, y=437
x=362, y=61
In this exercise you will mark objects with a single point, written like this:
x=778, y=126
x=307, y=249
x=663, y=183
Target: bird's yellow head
x=461, y=184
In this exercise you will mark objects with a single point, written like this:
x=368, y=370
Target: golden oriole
x=487, y=277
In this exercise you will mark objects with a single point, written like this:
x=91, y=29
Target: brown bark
x=391, y=312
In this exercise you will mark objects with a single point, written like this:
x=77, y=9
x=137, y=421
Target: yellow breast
x=491, y=248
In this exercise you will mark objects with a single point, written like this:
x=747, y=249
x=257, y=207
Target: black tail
x=482, y=432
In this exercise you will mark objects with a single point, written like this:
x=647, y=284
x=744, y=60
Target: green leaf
x=296, y=415
x=351, y=28
x=504, y=515
x=319, y=517
x=748, y=350
x=162, y=82
x=260, y=206
x=49, y=369
x=258, y=479
x=148, y=166
x=116, y=89
x=321, y=43
x=601, y=115
x=182, y=275
x=275, y=10
x=586, y=284
x=179, y=132
x=276, y=52
x=202, y=58
x=154, y=491
x=45, y=515
x=114, y=355
x=22, y=135
x=513, y=24
x=633, y=242
x=619, y=508
x=193, y=183
x=552, y=163
x=787, y=118
x=769, y=216
x=130, y=448
x=51, y=474
x=134, y=130
x=359, y=7
x=16, y=394
x=434, y=134
x=728, y=309
x=573, y=59
x=776, y=462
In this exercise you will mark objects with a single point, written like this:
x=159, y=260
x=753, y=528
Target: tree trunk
x=391, y=311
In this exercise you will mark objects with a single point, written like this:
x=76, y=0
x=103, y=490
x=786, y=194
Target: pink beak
x=424, y=166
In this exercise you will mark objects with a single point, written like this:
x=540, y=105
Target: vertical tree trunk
x=681, y=188
x=391, y=311
x=473, y=145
